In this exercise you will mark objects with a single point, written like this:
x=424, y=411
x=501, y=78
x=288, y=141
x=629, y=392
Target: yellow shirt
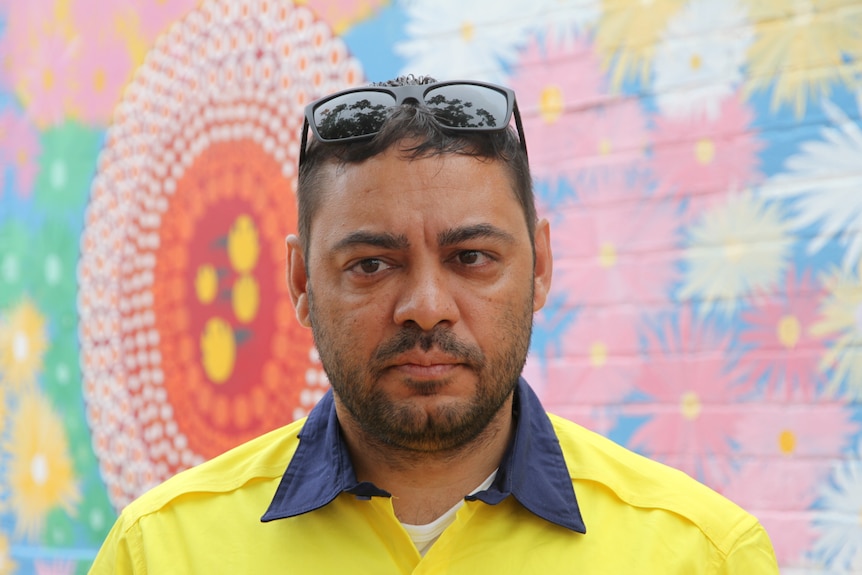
x=640, y=516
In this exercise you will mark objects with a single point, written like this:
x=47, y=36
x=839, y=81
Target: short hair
x=416, y=123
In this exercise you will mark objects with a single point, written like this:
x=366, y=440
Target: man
x=418, y=266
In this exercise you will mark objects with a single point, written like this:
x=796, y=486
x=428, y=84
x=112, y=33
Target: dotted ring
x=188, y=341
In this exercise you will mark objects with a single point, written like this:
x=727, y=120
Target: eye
x=369, y=266
x=471, y=257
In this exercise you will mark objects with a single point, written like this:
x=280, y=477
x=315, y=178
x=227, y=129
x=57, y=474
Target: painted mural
x=700, y=162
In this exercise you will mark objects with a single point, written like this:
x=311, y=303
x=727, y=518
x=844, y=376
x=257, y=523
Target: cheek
x=356, y=320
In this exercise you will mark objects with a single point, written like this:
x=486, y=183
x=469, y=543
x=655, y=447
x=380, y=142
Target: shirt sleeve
x=751, y=555
x=117, y=555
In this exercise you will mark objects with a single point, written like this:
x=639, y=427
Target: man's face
x=420, y=290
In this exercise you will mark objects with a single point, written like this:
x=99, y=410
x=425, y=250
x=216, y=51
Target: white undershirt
x=424, y=536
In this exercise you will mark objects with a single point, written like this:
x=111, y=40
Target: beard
x=405, y=425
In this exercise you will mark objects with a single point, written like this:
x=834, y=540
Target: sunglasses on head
x=458, y=106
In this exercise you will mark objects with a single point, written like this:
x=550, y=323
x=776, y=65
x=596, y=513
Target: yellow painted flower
x=839, y=321
x=40, y=467
x=801, y=46
x=628, y=33
x=22, y=344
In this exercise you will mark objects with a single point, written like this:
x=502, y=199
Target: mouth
x=431, y=354
x=426, y=366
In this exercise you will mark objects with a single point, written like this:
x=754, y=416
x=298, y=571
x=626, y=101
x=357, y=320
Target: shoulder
x=601, y=468
x=264, y=458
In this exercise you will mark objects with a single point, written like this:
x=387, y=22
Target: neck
x=426, y=484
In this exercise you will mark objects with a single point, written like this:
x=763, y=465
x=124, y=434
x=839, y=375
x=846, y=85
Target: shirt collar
x=532, y=470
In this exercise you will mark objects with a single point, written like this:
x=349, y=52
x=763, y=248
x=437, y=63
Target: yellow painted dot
x=696, y=62
x=734, y=250
x=690, y=405
x=99, y=80
x=243, y=247
x=551, y=103
x=598, y=354
x=787, y=442
x=704, y=151
x=607, y=255
x=218, y=350
x=468, y=31
x=48, y=79
x=245, y=298
x=789, y=331
x=605, y=146
x=206, y=283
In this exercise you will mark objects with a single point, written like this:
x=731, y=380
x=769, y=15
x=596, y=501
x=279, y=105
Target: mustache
x=442, y=338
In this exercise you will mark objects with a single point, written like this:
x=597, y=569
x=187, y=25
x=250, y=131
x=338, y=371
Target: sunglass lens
x=467, y=106
x=353, y=114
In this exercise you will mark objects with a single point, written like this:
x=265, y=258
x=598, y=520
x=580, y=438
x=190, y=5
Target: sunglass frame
x=417, y=93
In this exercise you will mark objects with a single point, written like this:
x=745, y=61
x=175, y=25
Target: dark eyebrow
x=381, y=240
x=456, y=236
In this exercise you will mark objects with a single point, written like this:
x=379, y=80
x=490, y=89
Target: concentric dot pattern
x=229, y=71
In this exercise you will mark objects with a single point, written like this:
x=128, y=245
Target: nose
x=426, y=298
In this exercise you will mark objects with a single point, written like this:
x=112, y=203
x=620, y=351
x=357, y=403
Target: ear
x=544, y=264
x=297, y=280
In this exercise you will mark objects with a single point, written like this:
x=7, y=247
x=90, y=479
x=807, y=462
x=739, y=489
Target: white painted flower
x=700, y=55
x=736, y=250
x=825, y=181
x=451, y=40
x=838, y=518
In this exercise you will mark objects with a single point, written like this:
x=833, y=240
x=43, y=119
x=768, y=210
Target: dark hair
x=416, y=123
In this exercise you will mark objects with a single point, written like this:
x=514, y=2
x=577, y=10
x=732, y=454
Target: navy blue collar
x=532, y=470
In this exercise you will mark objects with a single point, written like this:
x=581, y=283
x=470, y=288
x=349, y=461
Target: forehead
x=394, y=191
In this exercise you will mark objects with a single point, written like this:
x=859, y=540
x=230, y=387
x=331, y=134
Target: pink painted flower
x=784, y=449
x=19, y=147
x=609, y=152
x=601, y=418
x=615, y=253
x=783, y=353
x=596, y=362
x=557, y=87
x=816, y=430
x=702, y=158
x=688, y=392
x=103, y=70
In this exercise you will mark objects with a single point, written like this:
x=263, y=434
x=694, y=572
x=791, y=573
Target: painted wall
x=700, y=162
